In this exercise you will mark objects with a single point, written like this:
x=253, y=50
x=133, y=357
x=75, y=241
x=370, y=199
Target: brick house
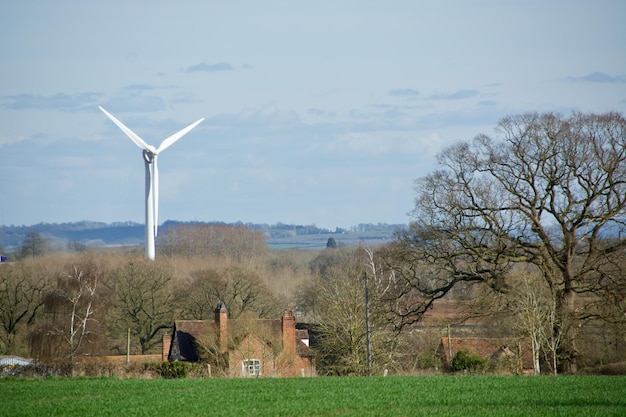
x=243, y=347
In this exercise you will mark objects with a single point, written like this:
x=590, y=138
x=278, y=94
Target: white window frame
x=251, y=367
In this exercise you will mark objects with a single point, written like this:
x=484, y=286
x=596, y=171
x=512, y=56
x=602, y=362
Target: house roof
x=194, y=327
x=188, y=333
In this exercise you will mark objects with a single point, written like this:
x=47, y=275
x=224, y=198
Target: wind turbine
x=150, y=154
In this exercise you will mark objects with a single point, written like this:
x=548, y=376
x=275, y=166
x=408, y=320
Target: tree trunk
x=564, y=329
x=536, y=347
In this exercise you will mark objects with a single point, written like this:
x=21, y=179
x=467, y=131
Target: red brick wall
x=221, y=319
x=251, y=347
x=167, y=342
x=289, y=333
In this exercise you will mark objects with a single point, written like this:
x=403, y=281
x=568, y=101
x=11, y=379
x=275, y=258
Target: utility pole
x=128, y=346
x=449, y=345
x=367, y=327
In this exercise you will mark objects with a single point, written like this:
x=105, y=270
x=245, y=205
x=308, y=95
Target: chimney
x=289, y=332
x=221, y=321
x=167, y=343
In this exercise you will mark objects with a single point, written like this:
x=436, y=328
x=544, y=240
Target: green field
x=392, y=396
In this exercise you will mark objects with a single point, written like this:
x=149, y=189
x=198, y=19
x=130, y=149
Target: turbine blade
x=155, y=195
x=132, y=135
x=170, y=140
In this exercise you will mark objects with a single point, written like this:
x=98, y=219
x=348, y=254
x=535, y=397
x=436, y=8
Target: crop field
x=376, y=396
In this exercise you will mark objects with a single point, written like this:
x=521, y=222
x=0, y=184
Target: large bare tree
x=549, y=191
x=143, y=301
x=23, y=287
x=240, y=289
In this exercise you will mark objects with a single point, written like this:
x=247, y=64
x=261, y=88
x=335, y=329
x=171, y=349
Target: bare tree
x=144, y=301
x=71, y=305
x=532, y=307
x=342, y=323
x=209, y=348
x=238, y=243
x=22, y=290
x=33, y=245
x=610, y=305
x=240, y=289
x=336, y=299
x=552, y=338
x=550, y=192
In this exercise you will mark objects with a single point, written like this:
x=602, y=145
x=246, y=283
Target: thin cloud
x=404, y=92
x=457, y=95
x=134, y=103
x=204, y=67
x=59, y=101
x=596, y=77
x=269, y=116
x=316, y=112
x=140, y=87
x=321, y=113
x=181, y=98
x=378, y=117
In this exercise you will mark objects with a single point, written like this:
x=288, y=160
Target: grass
x=377, y=396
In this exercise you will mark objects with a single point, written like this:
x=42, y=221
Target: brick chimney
x=289, y=332
x=167, y=343
x=221, y=321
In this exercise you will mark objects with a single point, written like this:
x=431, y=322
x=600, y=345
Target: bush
x=170, y=370
x=468, y=361
x=427, y=360
x=612, y=369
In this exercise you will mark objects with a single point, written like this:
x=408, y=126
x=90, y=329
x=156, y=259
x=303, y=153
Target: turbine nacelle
x=150, y=154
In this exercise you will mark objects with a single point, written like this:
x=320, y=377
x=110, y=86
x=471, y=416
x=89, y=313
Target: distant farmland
x=319, y=241
x=277, y=236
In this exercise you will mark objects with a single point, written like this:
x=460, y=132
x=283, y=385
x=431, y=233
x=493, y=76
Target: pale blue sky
x=316, y=112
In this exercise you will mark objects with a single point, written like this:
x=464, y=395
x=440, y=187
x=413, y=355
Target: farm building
x=243, y=347
x=7, y=360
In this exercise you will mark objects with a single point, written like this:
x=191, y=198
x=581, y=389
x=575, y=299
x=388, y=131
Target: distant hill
x=279, y=236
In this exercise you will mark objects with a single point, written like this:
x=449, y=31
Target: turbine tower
x=150, y=154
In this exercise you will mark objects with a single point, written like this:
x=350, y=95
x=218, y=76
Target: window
x=251, y=367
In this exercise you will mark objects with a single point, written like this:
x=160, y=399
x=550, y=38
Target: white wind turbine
x=150, y=154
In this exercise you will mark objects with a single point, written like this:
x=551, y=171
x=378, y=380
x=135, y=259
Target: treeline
x=84, y=304
x=69, y=305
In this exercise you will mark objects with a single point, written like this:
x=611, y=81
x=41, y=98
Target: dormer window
x=251, y=367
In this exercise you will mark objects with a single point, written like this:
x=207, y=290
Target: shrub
x=612, y=369
x=170, y=370
x=427, y=360
x=468, y=361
